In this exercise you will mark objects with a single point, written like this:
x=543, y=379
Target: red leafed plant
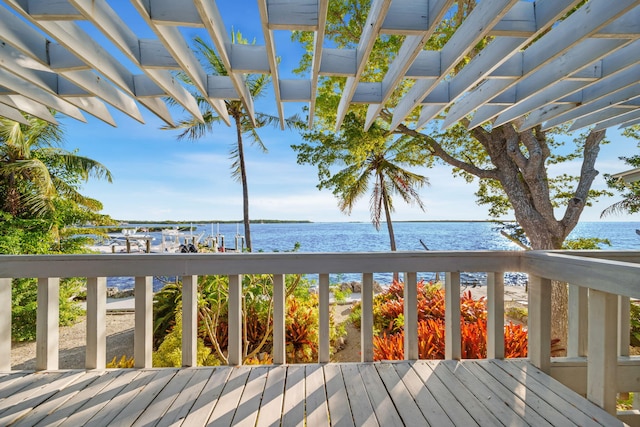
x=389, y=343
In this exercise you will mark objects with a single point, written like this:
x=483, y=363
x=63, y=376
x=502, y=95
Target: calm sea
x=363, y=237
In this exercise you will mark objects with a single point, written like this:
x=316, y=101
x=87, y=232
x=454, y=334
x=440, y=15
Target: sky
x=157, y=177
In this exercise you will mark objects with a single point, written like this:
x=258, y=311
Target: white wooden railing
x=600, y=282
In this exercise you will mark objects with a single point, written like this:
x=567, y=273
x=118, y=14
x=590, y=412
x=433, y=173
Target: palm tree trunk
x=245, y=187
x=392, y=237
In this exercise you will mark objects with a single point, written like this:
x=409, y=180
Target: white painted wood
x=539, y=322
x=367, y=92
x=185, y=398
x=208, y=398
x=597, y=117
x=153, y=54
x=338, y=62
x=12, y=114
x=143, y=332
x=271, y=405
x=316, y=405
x=189, y=320
x=624, y=325
x=316, y=62
x=271, y=56
x=229, y=400
x=279, y=310
x=93, y=106
x=96, y=323
x=337, y=399
x=624, y=120
x=221, y=87
x=411, y=316
x=402, y=399
x=249, y=58
x=60, y=59
x=26, y=105
x=249, y=405
x=293, y=404
x=295, y=90
x=323, y=318
x=602, y=361
x=578, y=321
x=300, y=15
x=385, y=411
x=452, y=338
x=235, y=320
x=171, y=12
x=5, y=324
x=53, y=10
x=366, y=319
x=495, y=315
x=47, y=321
x=519, y=21
x=407, y=17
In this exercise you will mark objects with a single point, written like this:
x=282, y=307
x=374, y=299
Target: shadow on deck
x=439, y=393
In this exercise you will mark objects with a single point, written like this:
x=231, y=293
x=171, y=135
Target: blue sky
x=157, y=177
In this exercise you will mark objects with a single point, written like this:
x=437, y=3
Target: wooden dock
x=412, y=393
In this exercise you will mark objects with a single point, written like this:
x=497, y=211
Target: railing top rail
x=616, y=277
x=111, y=265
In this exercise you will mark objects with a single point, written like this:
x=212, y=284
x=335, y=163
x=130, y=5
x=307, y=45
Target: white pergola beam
x=93, y=106
x=264, y=7
x=53, y=10
x=26, y=105
x=301, y=15
x=172, y=12
x=295, y=90
x=407, y=17
x=316, y=62
x=248, y=58
x=338, y=62
x=11, y=113
x=599, y=116
x=624, y=120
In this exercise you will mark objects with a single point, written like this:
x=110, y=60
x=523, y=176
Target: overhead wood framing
x=541, y=67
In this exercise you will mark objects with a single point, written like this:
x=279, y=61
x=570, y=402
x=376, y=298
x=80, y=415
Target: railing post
x=189, y=320
x=323, y=319
x=47, y=324
x=602, y=361
x=452, y=335
x=366, y=319
x=96, y=323
x=578, y=322
x=279, y=341
x=624, y=325
x=411, y=316
x=235, y=320
x=539, y=323
x=495, y=315
x=5, y=324
x=143, y=332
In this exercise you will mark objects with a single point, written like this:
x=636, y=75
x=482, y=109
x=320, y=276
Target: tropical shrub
x=388, y=309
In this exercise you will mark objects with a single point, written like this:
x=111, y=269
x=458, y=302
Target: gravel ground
x=73, y=340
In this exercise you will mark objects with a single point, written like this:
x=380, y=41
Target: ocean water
x=363, y=237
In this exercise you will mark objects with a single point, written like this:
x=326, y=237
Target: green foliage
x=169, y=354
x=635, y=324
x=630, y=191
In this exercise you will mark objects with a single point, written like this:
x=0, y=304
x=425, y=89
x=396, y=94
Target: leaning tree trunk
x=245, y=187
x=392, y=236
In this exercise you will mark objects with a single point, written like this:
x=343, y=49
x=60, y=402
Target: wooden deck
x=437, y=393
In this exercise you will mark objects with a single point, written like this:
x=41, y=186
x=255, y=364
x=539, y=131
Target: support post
x=539, y=323
x=366, y=319
x=495, y=315
x=578, y=322
x=452, y=335
x=143, y=332
x=47, y=324
x=624, y=325
x=279, y=304
x=323, y=319
x=411, y=317
x=603, y=353
x=235, y=320
x=96, y=323
x=189, y=321
x=5, y=324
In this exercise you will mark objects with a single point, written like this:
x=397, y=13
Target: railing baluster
x=279, y=304
x=47, y=332
x=602, y=361
x=624, y=325
x=323, y=318
x=578, y=321
x=411, y=317
x=189, y=320
x=143, y=334
x=5, y=324
x=539, y=323
x=452, y=335
x=96, y=323
x=495, y=315
x=235, y=320
x=366, y=320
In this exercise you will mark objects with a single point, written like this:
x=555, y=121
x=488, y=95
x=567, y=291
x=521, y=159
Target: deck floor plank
x=225, y=409
x=247, y=412
x=531, y=404
x=208, y=398
x=127, y=406
x=61, y=398
x=92, y=404
x=337, y=400
x=429, y=406
x=273, y=397
x=317, y=411
x=293, y=405
x=400, y=395
x=500, y=408
x=453, y=408
x=156, y=398
x=181, y=406
x=361, y=409
x=576, y=408
x=7, y=379
x=38, y=396
x=438, y=393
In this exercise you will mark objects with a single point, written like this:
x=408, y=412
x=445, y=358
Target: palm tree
x=194, y=129
x=35, y=170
